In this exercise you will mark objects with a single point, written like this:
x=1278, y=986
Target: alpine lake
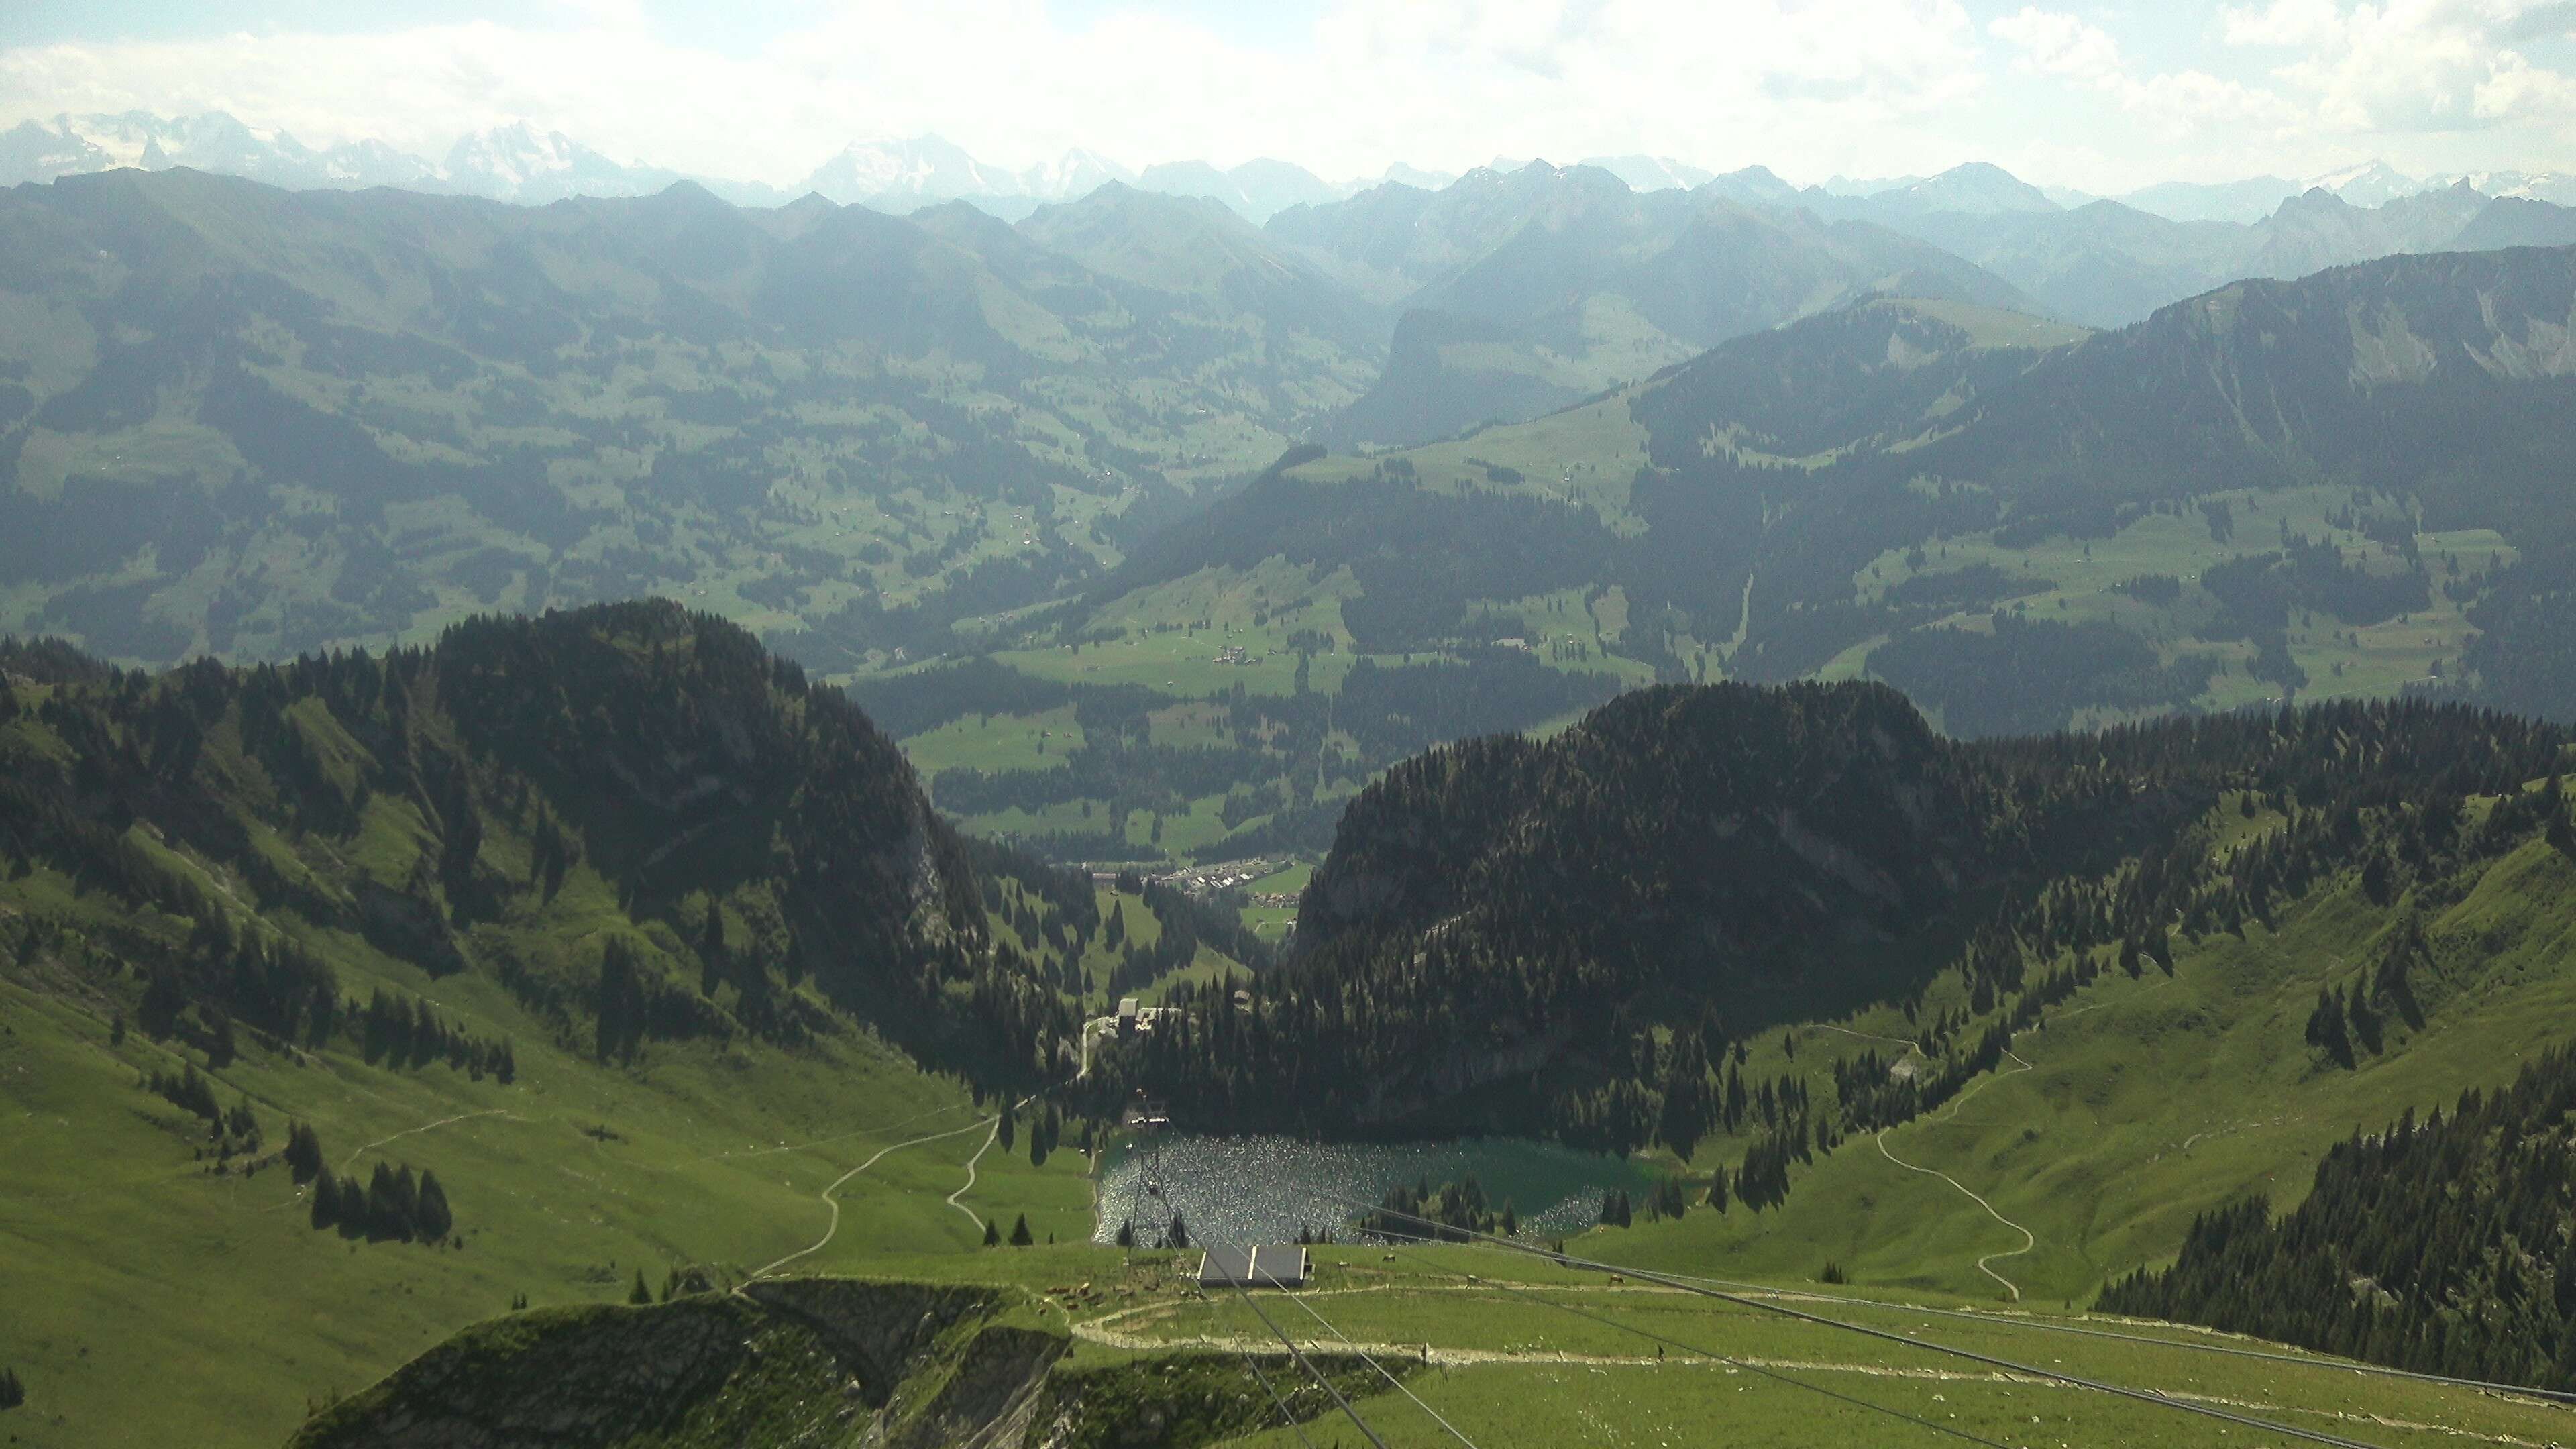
x=1269, y=1189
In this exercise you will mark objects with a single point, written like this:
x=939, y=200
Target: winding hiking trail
x=989, y=1139
x=833, y=1202
x=2029, y=1240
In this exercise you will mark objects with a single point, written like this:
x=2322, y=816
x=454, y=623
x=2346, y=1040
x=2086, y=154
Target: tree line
x=2441, y=1244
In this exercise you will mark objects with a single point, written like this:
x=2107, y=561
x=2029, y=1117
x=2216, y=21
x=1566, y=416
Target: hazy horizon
x=2102, y=98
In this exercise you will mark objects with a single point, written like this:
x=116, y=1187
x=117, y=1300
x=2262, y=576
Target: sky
x=2103, y=96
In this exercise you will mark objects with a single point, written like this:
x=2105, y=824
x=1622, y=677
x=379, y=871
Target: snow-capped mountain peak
x=519, y=162
x=513, y=155
x=1076, y=173
x=919, y=170
x=1652, y=173
x=2367, y=183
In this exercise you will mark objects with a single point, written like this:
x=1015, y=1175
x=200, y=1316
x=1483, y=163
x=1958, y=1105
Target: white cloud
x=2056, y=44
x=2409, y=65
x=1808, y=87
x=2177, y=103
x=2518, y=90
x=2283, y=22
x=1442, y=82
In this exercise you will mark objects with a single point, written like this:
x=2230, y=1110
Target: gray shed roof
x=1280, y=1267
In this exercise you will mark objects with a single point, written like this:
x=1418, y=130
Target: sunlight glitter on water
x=1264, y=1189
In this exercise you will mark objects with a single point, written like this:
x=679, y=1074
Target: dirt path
x=989, y=1139
x=2029, y=1240
x=352, y=1159
x=2019, y=1067
x=2122, y=1001
x=832, y=1202
x=1098, y=1331
x=1910, y=1048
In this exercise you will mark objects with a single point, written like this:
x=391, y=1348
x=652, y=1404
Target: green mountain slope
x=2438, y=1245
x=2136, y=1109
x=1251, y=666
x=1613, y=481
x=253, y=422
x=610, y=924
x=2341, y=486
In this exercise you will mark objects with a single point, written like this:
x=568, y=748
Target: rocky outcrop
x=988, y=1398
x=584, y=1376
x=887, y=1331
x=816, y=1362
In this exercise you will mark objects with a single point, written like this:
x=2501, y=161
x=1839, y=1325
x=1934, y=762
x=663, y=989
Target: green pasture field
x=1522, y=1352
x=1586, y=455
x=155, y=1301
x=997, y=743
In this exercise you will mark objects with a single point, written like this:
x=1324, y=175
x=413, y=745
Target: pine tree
x=2327, y=1027
x=2378, y=879
x=992, y=1235
x=712, y=956
x=435, y=1219
x=1020, y=1237
x=303, y=1152
x=640, y=1294
x=13, y=1390
x=406, y=1203
x=1127, y=1235
x=384, y=1216
x=2365, y=1021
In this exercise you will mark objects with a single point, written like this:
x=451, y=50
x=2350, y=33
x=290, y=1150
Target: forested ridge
x=770, y=867
x=1578, y=936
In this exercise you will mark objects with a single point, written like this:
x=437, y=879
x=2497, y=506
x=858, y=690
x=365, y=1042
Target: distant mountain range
x=1530, y=289
x=521, y=163
x=2109, y=262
